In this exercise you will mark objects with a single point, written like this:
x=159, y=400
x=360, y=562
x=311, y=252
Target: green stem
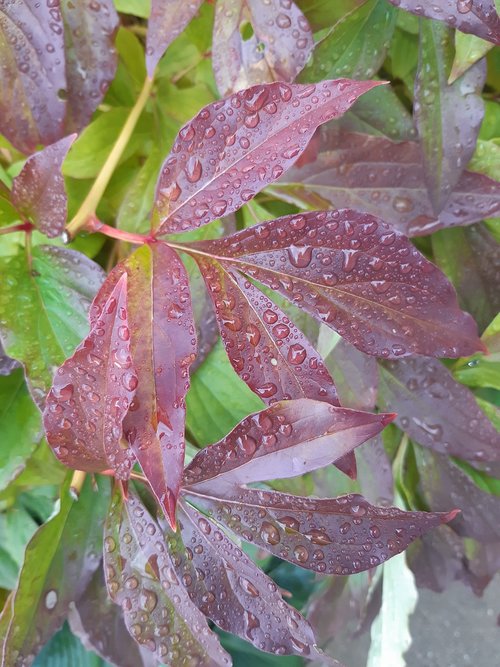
x=91, y=201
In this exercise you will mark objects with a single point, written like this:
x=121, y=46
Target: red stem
x=95, y=225
x=21, y=227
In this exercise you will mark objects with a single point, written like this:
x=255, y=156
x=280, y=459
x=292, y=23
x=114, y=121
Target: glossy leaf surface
x=276, y=49
x=254, y=135
x=38, y=192
x=346, y=268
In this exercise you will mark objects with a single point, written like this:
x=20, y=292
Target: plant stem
x=95, y=225
x=77, y=483
x=21, y=227
x=89, y=205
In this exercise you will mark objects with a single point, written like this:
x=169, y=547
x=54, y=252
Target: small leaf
x=38, y=192
x=352, y=272
x=256, y=134
x=285, y=440
x=276, y=48
x=476, y=18
x=167, y=20
x=448, y=117
x=141, y=578
x=468, y=50
x=92, y=392
x=483, y=370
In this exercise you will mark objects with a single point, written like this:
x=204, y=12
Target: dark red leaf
x=235, y=147
x=332, y=535
x=477, y=17
x=357, y=375
x=285, y=440
x=376, y=175
x=167, y=20
x=437, y=559
x=358, y=276
x=38, y=192
x=141, y=578
x=438, y=412
x=92, y=392
x=277, y=48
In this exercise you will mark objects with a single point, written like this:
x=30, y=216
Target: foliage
x=242, y=241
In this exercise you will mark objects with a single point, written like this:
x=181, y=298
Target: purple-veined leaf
x=90, y=55
x=141, y=578
x=92, y=392
x=285, y=440
x=38, y=192
x=331, y=535
x=167, y=20
x=354, y=273
x=277, y=48
x=438, y=412
x=477, y=17
x=235, y=147
x=227, y=586
x=207, y=331
x=32, y=73
x=59, y=562
x=448, y=117
x=384, y=178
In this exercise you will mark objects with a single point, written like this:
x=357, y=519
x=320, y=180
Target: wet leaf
x=167, y=20
x=256, y=135
x=483, y=370
x=385, y=179
x=346, y=268
x=468, y=50
x=46, y=325
x=448, y=117
x=140, y=577
x=285, y=440
x=38, y=192
x=59, y=562
x=256, y=42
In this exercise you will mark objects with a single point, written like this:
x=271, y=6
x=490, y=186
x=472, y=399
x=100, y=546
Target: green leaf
x=16, y=529
x=486, y=158
x=133, y=214
x=140, y=8
x=64, y=649
x=59, y=562
x=468, y=50
x=490, y=127
x=483, y=370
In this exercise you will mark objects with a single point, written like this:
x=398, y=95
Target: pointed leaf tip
x=170, y=506
x=449, y=516
x=388, y=417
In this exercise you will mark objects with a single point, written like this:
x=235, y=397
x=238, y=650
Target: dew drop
x=269, y=533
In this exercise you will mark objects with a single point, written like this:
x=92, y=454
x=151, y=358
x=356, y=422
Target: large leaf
x=438, y=412
x=59, y=562
x=256, y=42
x=285, y=440
x=235, y=147
x=352, y=272
x=386, y=179
x=478, y=18
x=92, y=392
x=448, y=117
x=140, y=577
x=38, y=192
x=43, y=309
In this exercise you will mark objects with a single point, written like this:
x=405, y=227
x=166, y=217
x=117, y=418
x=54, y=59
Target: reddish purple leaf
x=438, y=412
x=92, y=392
x=32, y=73
x=357, y=375
x=278, y=48
x=358, y=276
x=477, y=17
x=39, y=193
x=332, y=535
x=227, y=586
x=168, y=19
x=235, y=147
x=383, y=178
x=447, y=117
x=437, y=559
x=140, y=577
x=285, y=440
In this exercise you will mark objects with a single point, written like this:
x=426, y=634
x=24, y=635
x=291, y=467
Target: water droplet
x=269, y=533
x=301, y=554
x=204, y=526
x=248, y=587
x=267, y=390
x=300, y=256
x=109, y=544
x=296, y=354
x=148, y=600
x=193, y=169
x=51, y=599
x=253, y=334
x=246, y=444
x=464, y=6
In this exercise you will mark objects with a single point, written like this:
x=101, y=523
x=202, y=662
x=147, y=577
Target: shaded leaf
x=448, y=117
x=256, y=134
x=141, y=578
x=352, y=272
x=438, y=412
x=38, y=192
x=385, y=179
x=285, y=440
x=357, y=375
x=468, y=50
x=45, y=326
x=7, y=365
x=59, y=562
x=167, y=20
x=477, y=18
x=332, y=535
x=437, y=559
x=256, y=42
x=64, y=649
